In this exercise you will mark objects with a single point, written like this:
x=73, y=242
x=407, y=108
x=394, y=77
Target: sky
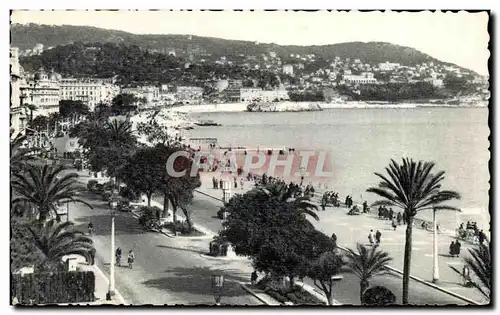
x=461, y=38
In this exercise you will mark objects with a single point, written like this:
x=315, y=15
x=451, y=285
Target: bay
x=362, y=141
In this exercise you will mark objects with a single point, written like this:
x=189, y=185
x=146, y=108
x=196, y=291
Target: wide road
x=164, y=271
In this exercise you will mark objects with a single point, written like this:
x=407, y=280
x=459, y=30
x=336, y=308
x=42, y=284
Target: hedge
x=48, y=288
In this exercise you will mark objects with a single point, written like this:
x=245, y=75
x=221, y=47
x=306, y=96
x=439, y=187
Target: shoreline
x=242, y=107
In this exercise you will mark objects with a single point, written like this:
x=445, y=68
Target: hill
x=26, y=36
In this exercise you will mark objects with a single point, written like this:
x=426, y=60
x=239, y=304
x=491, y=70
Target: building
x=364, y=78
x=288, y=69
x=221, y=85
x=91, y=91
x=189, y=94
x=17, y=116
x=147, y=93
x=272, y=54
x=257, y=94
x=388, y=66
x=42, y=91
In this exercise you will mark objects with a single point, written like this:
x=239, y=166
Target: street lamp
x=217, y=286
x=435, y=259
x=111, y=288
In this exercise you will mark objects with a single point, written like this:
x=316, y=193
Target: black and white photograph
x=250, y=158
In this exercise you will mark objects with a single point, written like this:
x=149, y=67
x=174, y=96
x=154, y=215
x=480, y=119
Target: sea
x=362, y=141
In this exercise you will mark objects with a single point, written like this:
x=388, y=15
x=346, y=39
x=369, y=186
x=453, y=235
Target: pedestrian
x=365, y=207
x=220, y=183
x=452, y=249
x=235, y=183
x=253, y=277
x=458, y=247
x=481, y=237
x=334, y=239
x=377, y=237
x=371, y=237
x=347, y=201
x=393, y=224
x=399, y=218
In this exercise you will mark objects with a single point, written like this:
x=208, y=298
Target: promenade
x=354, y=229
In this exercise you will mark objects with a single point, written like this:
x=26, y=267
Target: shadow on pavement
x=124, y=224
x=198, y=281
x=183, y=249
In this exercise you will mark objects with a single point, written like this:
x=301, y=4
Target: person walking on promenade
x=458, y=247
x=393, y=224
x=452, y=249
x=399, y=218
x=334, y=239
x=253, y=278
x=220, y=183
x=365, y=207
x=371, y=237
x=391, y=214
x=214, y=182
x=347, y=201
x=377, y=237
x=481, y=237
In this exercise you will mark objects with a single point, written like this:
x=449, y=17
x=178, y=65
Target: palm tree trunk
x=407, y=259
x=165, y=204
x=363, y=285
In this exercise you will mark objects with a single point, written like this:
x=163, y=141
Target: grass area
x=182, y=228
x=297, y=295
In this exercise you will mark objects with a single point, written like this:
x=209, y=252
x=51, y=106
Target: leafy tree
x=412, y=187
x=23, y=251
x=40, y=123
x=56, y=240
x=45, y=187
x=124, y=103
x=329, y=264
x=378, y=296
x=73, y=110
x=366, y=263
x=143, y=172
x=178, y=191
x=480, y=264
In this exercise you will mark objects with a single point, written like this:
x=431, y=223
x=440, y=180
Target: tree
x=31, y=108
x=178, y=190
x=19, y=155
x=143, y=172
x=56, y=240
x=284, y=193
x=40, y=123
x=45, y=187
x=366, y=263
x=413, y=188
x=378, y=296
x=329, y=264
x=23, y=251
x=73, y=110
x=123, y=103
x=480, y=264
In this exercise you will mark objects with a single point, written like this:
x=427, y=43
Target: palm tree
x=31, y=108
x=283, y=193
x=19, y=155
x=44, y=188
x=56, y=240
x=412, y=187
x=120, y=133
x=480, y=264
x=366, y=263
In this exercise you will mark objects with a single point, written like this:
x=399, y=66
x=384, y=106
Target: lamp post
x=111, y=288
x=226, y=191
x=217, y=286
x=435, y=259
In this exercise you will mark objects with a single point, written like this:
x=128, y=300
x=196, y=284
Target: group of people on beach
x=471, y=233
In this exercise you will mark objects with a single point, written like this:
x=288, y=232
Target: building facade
x=189, y=94
x=88, y=90
x=364, y=78
x=388, y=66
x=42, y=91
x=17, y=115
x=288, y=69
